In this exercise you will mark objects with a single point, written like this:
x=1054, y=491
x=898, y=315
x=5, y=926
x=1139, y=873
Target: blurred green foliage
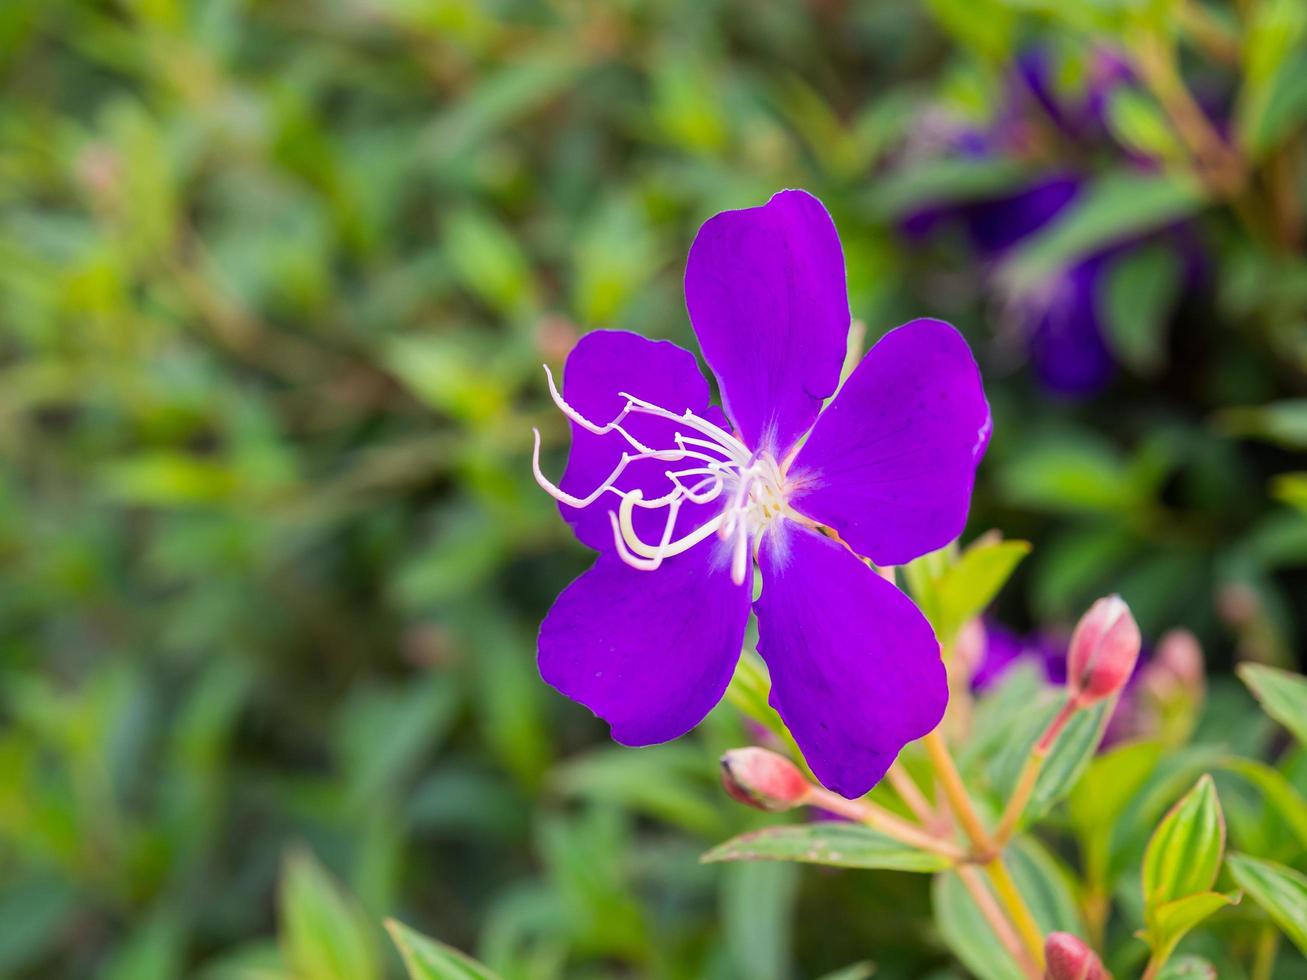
x=276, y=280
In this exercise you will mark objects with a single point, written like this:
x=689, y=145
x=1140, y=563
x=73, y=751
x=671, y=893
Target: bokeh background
x=276, y=281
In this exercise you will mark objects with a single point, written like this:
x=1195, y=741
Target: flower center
x=708, y=466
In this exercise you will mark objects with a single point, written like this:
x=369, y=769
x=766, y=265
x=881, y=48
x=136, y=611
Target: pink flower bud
x=1177, y=668
x=762, y=779
x=1104, y=649
x=970, y=646
x=1069, y=958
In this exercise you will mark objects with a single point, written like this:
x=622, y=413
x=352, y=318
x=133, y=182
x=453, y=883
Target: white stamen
x=727, y=441
x=562, y=496
x=753, y=486
x=585, y=423
x=694, y=494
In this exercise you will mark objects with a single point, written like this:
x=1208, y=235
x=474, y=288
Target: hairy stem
x=950, y=781
x=903, y=783
x=1268, y=945
x=974, y=882
x=880, y=819
x=1016, y=906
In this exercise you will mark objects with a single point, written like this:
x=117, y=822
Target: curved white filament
x=562, y=496
x=752, y=487
x=667, y=548
x=738, y=450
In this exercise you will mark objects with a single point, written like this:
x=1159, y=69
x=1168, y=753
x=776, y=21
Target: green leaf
x=1102, y=794
x=854, y=971
x=970, y=583
x=749, y=690
x=1280, y=110
x=1066, y=760
x=489, y=260
x=1139, y=293
x=841, y=845
x=1280, y=891
x=426, y=959
x=663, y=781
x=324, y=933
x=385, y=733
x=757, y=917
x=1184, y=854
x=947, y=180
x=1270, y=45
x=1069, y=474
x=1292, y=489
x=615, y=253
x=36, y=910
x=1282, y=695
x=1276, y=790
x=255, y=960
x=152, y=952
x=1046, y=886
x=998, y=713
x=1139, y=124
x=1174, y=919
x=451, y=374
x=966, y=933
x=502, y=96
x=986, y=27
x=1117, y=206
x=1188, y=968
x=1109, y=783
x=169, y=479
x=1282, y=422
x=1076, y=566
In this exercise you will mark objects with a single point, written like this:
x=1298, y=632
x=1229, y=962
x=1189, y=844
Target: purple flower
x=1062, y=324
x=1080, y=117
x=1003, y=649
x=681, y=498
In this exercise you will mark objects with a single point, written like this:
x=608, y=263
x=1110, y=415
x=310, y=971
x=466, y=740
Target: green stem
x=950, y=781
x=974, y=883
x=882, y=820
x=1030, y=771
x=1268, y=946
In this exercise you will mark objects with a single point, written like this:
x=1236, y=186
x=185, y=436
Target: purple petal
x=766, y=294
x=1066, y=340
x=649, y=652
x=1033, y=68
x=855, y=669
x=890, y=463
x=1049, y=650
x=995, y=226
x=1003, y=650
x=1108, y=71
x=603, y=364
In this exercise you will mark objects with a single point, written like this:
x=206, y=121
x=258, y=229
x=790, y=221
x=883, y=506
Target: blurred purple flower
x=1080, y=116
x=1062, y=324
x=1005, y=650
x=680, y=498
